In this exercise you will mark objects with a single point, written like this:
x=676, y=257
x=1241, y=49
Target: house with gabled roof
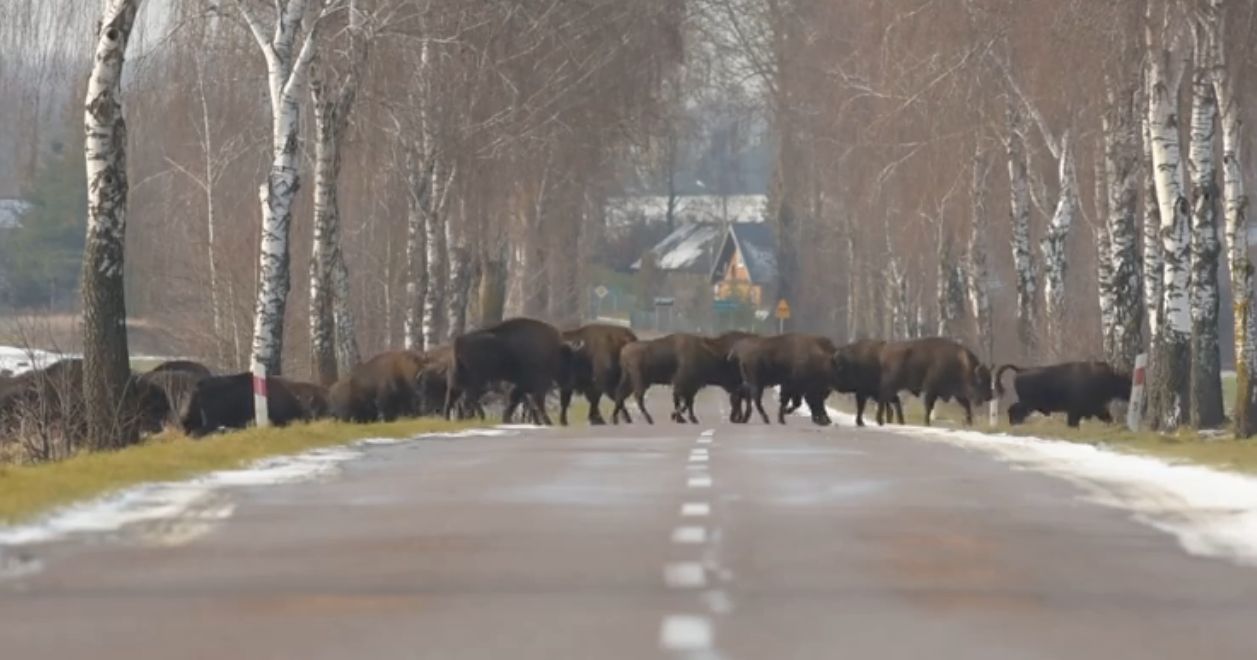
x=745, y=267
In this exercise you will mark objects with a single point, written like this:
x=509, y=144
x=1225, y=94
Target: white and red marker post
x=1135, y=409
x=261, y=415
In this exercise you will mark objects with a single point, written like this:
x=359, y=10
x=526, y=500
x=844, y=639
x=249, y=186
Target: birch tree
x=1206, y=374
x=1120, y=166
x=106, y=361
x=979, y=274
x=1238, y=230
x=1104, y=256
x=1170, y=380
x=1152, y=262
x=951, y=287
x=333, y=341
x=1019, y=215
x=418, y=194
x=1055, y=258
x=287, y=59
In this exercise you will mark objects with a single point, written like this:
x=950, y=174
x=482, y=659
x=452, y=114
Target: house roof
x=690, y=248
x=11, y=212
x=758, y=247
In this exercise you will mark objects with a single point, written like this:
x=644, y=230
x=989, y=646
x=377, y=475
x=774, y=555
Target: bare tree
x=106, y=360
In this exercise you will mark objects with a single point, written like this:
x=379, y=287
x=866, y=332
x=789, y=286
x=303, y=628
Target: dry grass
x=31, y=489
x=1216, y=449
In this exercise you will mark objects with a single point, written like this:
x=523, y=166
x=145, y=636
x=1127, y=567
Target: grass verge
x=1221, y=450
x=28, y=490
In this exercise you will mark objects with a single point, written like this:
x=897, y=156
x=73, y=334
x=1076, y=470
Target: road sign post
x=261, y=414
x=1135, y=409
x=783, y=313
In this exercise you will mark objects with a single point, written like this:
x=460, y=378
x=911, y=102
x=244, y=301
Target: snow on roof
x=689, y=208
x=690, y=248
x=11, y=212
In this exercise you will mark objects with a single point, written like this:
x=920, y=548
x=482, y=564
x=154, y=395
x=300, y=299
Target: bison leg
x=594, y=398
x=816, y=402
x=516, y=397
x=1073, y=418
x=735, y=406
x=1017, y=413
x=639, y=394
x=565, y=400
x=964, y=403
x=894, y=401
x=757, y=396
x=689, y=407
x=930, y=399
x=860, y=400
x=783, y=402
x=539, y=408
x=678, y=406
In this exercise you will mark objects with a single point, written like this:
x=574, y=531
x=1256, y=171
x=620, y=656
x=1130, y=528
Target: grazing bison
x=186, y=366
x=594, y=369
x=1078, y=389
x=176, y=387
x=933, y=368
x=52, y=397
x=685, y=361
x=313, y=398
x=858, y=371
x=227, y=402
x=800, y=364
x=528, y=354
x=382, y=388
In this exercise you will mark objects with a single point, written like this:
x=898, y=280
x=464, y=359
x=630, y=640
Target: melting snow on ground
x=1212, y=513
x=178, y=511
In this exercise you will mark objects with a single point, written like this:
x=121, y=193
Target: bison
x=800, y=364
x=176, y=387
x=1078, y=389
x=187, y=366
x=739, y=402
x=594, y=369
x=858, y=371
x=53, y=397
x=313, y=398
x=526, y=353
x=227, y=402
x=382, y=388
x=933, y=368
x=685, y=361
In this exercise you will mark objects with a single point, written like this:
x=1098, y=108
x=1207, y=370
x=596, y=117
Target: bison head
x=981, y=384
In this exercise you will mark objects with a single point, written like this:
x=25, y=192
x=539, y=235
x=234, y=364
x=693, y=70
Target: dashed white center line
x=682, y=632
x=699, y=481
x=685, y=575
x=698, y=458
x=705, y=440
x=696, y=467
x=689, y=535
x=695, y=509
x=708, y=433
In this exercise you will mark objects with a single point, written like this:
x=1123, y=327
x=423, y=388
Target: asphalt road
x=708, y=541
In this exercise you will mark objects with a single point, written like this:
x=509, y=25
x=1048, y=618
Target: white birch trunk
x=459, y=276
x=1171, y=364
x=1238, y=231
x=106, y=360
x=951, y=289
x=1151, y=230
x=1104, y=256
x=418, y=195
x=285, y=67
x=1019, y=215
x=898, y=311
x=435, y=259
x=1055, y=258
x=1121, y=165
x=1206, y=375
x=979, y=274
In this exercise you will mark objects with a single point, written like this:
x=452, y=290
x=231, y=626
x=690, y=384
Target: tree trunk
x=418, y=191
x=1238, y=231
x=435, y=259
x=979, y=275
x=1023, y=256
x=1055, y=256
x=492, y=288
x=1206, y=375
x=1170, y=380
x=284, y=71
x=951, y=294
x=1120, y=165
x=106, y=361
x=326, y=222
x=1151, y=232
x=1104, y=256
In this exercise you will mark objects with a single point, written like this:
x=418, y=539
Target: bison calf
x=1078, y=389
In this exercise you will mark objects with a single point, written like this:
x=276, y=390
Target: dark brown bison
x=594, y=369
x=313, y=398
x=187, y=366
x=687, y=362
x=432, y=383
x=802, y=365
x=220, y=402
x=382, y=388
x=933, y=368
x=526, y=353
x=739, y=402
x=1078, y=389
x=52, y=397
x=176, y=386
x=858, y=371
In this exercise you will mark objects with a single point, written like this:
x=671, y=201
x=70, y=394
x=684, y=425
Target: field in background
x=28, y=490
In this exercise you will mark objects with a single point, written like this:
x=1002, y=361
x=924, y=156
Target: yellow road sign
x=783, y=309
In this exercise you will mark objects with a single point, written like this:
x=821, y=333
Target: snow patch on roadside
x=1212, y=513
x=177, y=512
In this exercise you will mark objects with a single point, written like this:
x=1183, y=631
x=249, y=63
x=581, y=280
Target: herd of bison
x=522, y=360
